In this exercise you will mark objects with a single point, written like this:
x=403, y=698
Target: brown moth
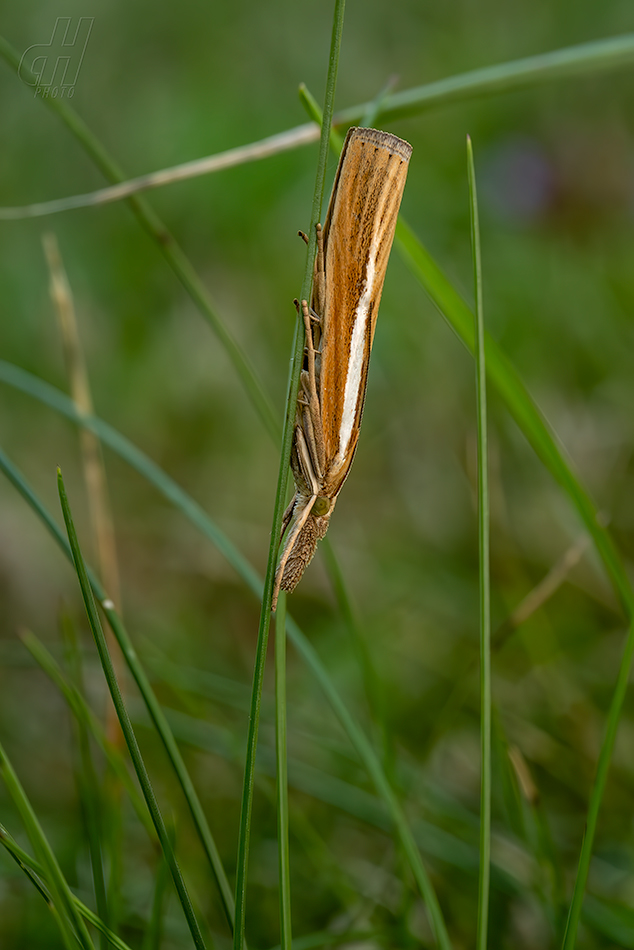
x=352, y=255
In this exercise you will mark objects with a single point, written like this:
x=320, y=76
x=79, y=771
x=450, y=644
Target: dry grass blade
x=92, y=456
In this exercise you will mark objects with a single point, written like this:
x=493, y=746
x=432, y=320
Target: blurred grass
x=556, y=212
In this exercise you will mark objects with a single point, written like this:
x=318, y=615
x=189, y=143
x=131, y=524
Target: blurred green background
x=162, y=84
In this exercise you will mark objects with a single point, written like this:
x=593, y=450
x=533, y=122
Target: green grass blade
x=84, y=715
x=326, y=938
x=88, y=786
x=280, y=498
x=616, y=52
x=371, y=680
x=178, y=764
x=313, y=109
x=598, y=788
x=38, y=389
x=484, y=885
x=153, y=933
x=519, y=404
x=124, y=719
x=174, y=255
x=35, y=872
x=375, y=108
x=67, y=914
x=24, y=861
x=281, y=771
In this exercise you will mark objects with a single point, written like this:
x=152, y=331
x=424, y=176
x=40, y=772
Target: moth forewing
x=350, y=268
x=358, y=237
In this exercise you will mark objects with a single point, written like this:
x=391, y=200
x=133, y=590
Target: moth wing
x=358, y=236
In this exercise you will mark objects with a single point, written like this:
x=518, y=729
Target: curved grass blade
x=59, y=401
x=371, y=680
x=484, y=885
x=124, y=719
x=24, y=861
x=85, y=716
x=519, y=404
x=35, y=873
x=88, y=785
x=598, y=789
x=616, y=52
x=68, y=917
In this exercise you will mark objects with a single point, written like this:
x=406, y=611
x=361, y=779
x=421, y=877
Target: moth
x=352, y=254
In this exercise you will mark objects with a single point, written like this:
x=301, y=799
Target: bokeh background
x=161, y=84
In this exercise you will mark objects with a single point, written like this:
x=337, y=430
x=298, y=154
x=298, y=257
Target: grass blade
x=102, y=527
x=67, y=914
x=152, y=938
x=282, y=481
x=90, y=794
x=598, y=788
x=616, y=52
x=59, y=401
x=35, y=872
x=519, y=404
x=485, y=596
x=371, y=680
x=281, y=771
x=24, y=861
x=124, y=719
x=87, y=719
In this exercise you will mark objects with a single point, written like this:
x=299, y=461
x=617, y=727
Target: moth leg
x=319, y=279
x=319, y=276
x=286, y=517
x=313, y=428
x=305, y=460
